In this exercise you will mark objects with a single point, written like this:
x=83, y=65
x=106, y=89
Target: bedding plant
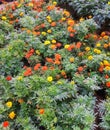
x=51, y=67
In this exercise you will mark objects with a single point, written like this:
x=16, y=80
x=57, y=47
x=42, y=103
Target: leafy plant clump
x=51, y=67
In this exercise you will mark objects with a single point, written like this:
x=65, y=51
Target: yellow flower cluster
x=50, y=79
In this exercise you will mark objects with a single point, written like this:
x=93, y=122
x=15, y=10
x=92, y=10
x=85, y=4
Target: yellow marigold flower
x=63, y=18
x=12, y=115
x=89, y=16
x=19, y=6
x=9, y=104
x=47, y=42
x=44, y=33
x=49, y=31
x=81, y=19
x=98, y=45
x=20, y=78
x=95, y=50
x=98, y=52
x=66, y=46
x=49, y=79
x=4, y=18
x=30, y=4
x=37, y=52
x=54, y=3
x=105, y=62
x=87, y=48
x=21, y=14
x=71, y=59
x=90, y=57
x=109, y=3
x=48, y=17
x=107, y=68
x=53, y=41
x=72, y=82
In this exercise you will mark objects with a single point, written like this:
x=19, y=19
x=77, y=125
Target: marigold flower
x=54, y=3
x=71, y=59
x=87, y=48
x=41, y=111
x=71, y=22
x=8, y=78
x=50, y=79
x=80, y=68
x=9, y=104
x=5, y=124
x=28, y=72
x=53, y=24
x=90, y=57
x=44, y=68
x=4, y=18
x=20, y=78
x=49, y=31
x=108, y=84
x=66, y=46
x=53, y=41
x=37, y=52
x=43, y=33
x=47, y=42
x=12, y=115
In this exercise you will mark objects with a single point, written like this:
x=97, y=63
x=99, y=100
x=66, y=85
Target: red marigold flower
x=5, y=124
x=44, y=68
x=8, y=78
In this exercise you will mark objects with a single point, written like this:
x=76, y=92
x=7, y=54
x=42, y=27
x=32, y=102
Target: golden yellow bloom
x=49, y=79
x=44, y=33
x=9, y=104
x=21, y=14
x=47, y=42
x=87, y=48
x=109, y=3
x=107, y=68
x=54, y=3
x=90, y=17
x=63, y=18
x=20, y=78
x=98, y=45
x=98, y=51
x=53, y=41
x=37, y=52
x=48, y=17
x=71, y=59
x=4, y=18
x=12, y=115
x=66, y=46
x=90, y=57
x=49, y=20
x=49, y=31
x=30, y=4
x=81, y=19
x=105, y=62
x=19, y=6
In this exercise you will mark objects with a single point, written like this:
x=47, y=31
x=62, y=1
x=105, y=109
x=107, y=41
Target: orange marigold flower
x=53, y=24
x=71, y=22
x=41, y=111
x=80, y=68
x=70, y=29
x=78, y=45
x=44, y=68
x=50, y=60
x=36, y=67
x=28, y=72
x=108, y=84
x=57, y=56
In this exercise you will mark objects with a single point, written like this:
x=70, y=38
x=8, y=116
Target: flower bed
x=51, y=67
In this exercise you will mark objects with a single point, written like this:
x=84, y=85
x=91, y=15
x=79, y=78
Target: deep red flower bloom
x=5, y=124
x=8, y=78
